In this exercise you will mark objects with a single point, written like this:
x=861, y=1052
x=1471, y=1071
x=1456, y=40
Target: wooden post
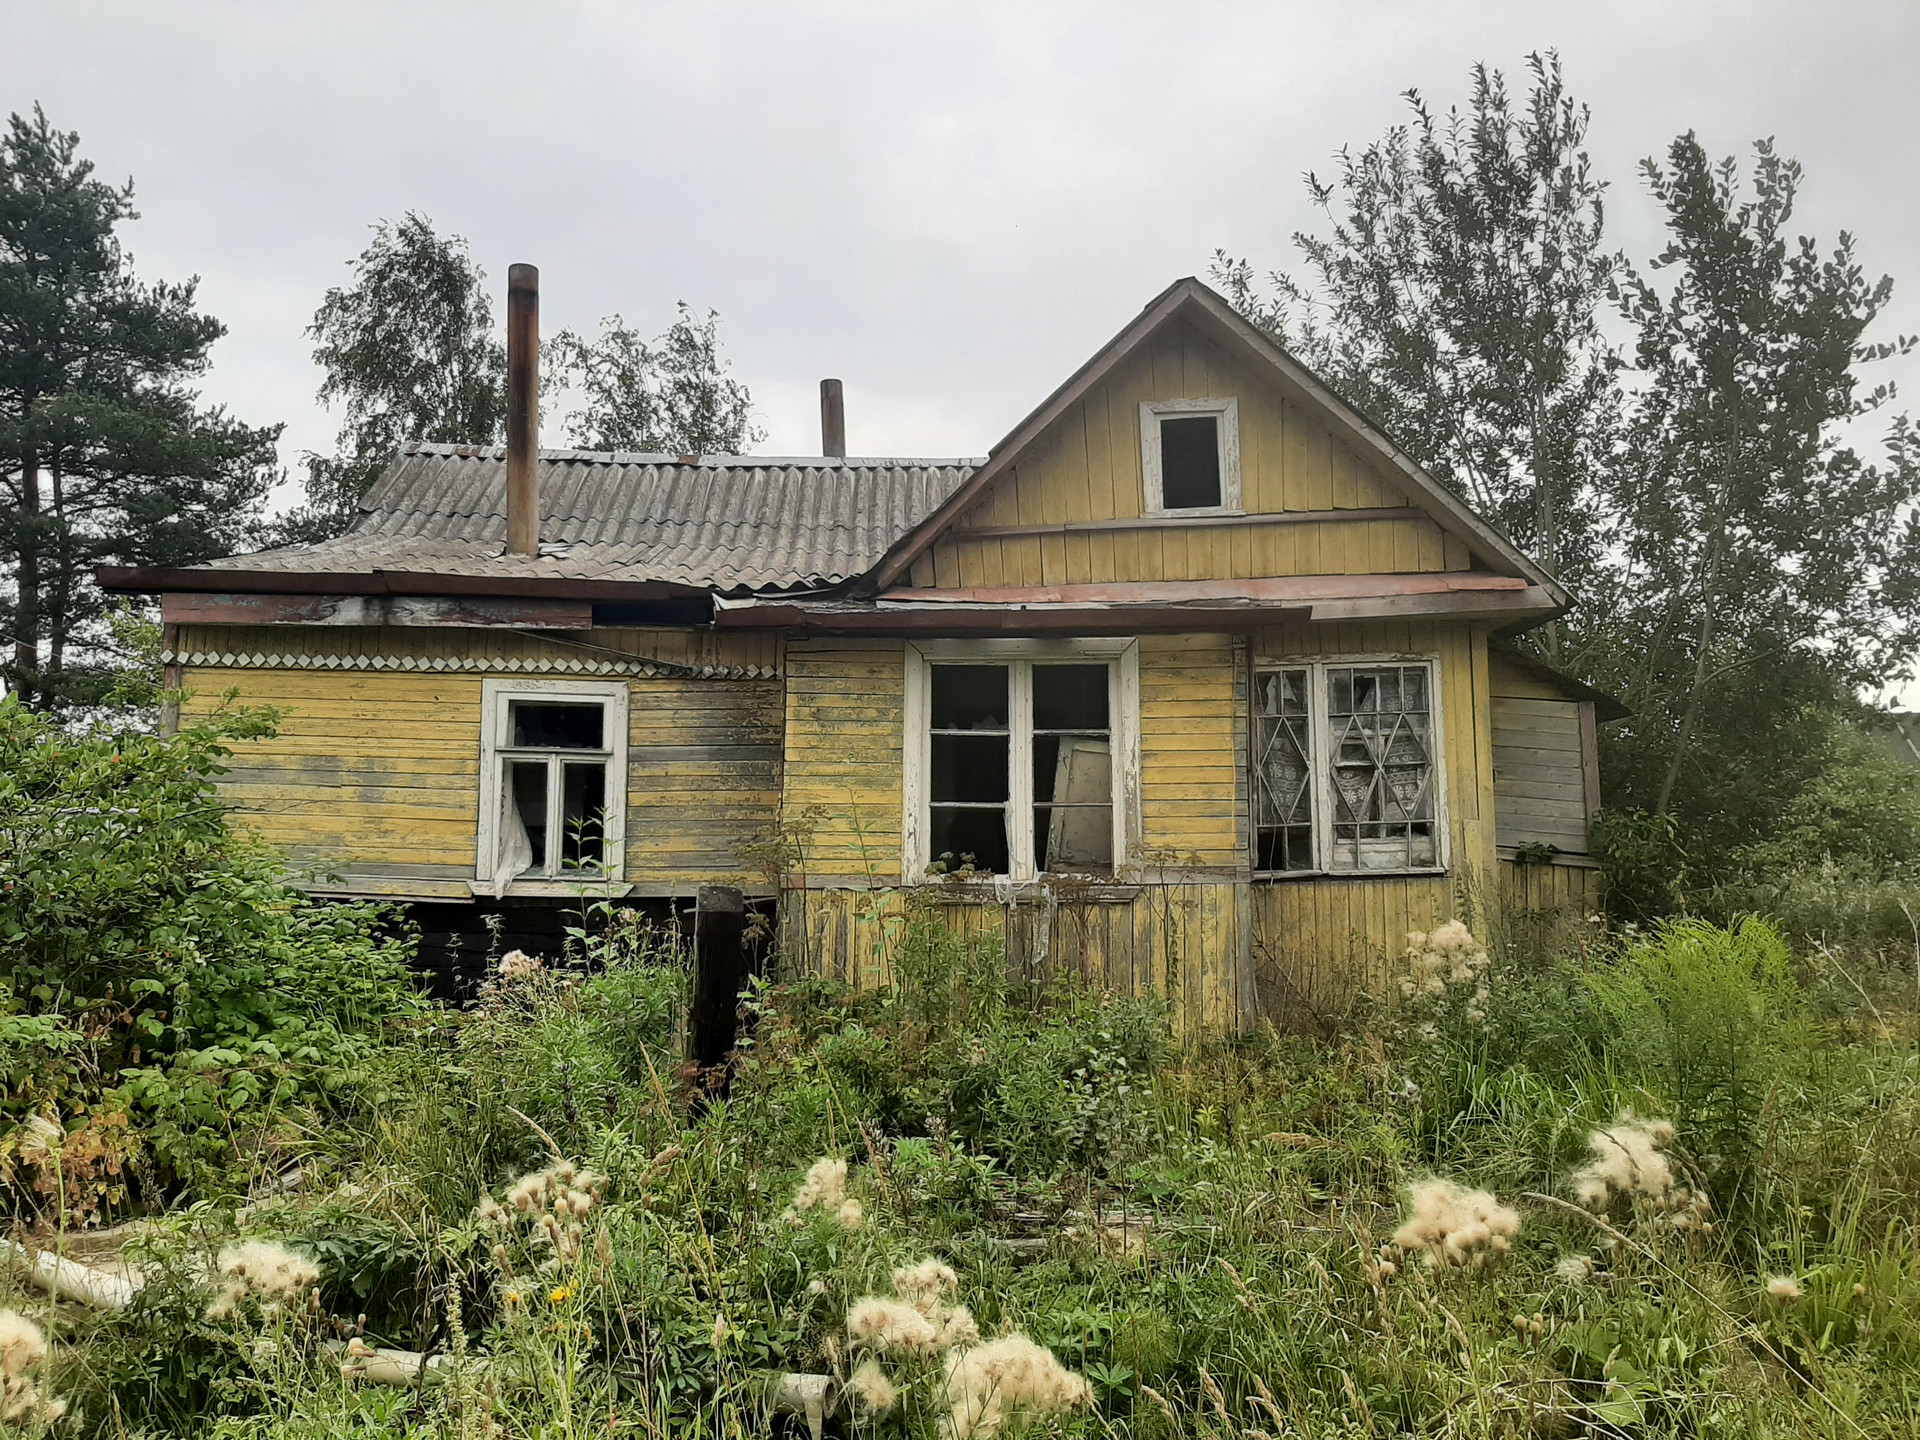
x=719, y=971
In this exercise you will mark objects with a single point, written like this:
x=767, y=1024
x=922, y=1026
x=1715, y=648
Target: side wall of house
x=375, y=771
x=1190, y=921
x=1546, y=783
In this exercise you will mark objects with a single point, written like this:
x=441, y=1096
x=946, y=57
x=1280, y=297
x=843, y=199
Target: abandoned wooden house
x=1195, y=681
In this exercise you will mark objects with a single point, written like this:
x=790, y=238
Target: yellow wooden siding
x=1550, y=887
x=1185, y=941
x=369, y=769
x=1085, y=470
x=375, y=774
x=1193, y=806
x=846, y=705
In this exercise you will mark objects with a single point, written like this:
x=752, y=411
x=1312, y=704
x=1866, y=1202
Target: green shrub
x=154, y=961
x=1709, y=1021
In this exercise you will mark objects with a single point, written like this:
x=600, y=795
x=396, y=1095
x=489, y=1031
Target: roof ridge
x=643, y=457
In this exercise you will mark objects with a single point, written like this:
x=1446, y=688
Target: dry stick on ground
x=1647, y=1252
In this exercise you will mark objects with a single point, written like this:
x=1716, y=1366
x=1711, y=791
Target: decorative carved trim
x=466, y=664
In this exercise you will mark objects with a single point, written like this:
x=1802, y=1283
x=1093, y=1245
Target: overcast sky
x=949, y=206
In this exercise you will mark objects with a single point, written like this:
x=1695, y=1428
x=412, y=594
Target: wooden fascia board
x=904, y=551
x=151, y=580
x=1127, y=618
x=1305, y=386
x=183, y=607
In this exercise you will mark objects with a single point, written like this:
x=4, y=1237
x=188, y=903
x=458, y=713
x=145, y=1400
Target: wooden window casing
x=1347, y=771
x=1226, y=415
x=966, y=769
x=511, y=763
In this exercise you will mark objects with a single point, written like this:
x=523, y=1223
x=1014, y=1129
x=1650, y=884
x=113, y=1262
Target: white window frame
x=496, y=697
x=1122, y=657
x=1322, y=773
x=1228, y=412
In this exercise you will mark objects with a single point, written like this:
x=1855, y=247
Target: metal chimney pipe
x=523, y=410
x=833, y=419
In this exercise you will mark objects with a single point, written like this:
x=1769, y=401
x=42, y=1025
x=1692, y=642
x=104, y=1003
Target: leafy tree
x=105, y=454
x=1759, y=552
x=672, y=396
x=410, y=354
x=1457, y=299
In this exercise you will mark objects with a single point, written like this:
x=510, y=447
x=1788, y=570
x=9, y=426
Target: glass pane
x=542, y=726
x=1381, y=732
x=976, y=837
x=528, y=786
x=1190, y=462
x=583, y=802
x=1070, y=697
x=969, y=697
x=970, y=769
x=1282, y=772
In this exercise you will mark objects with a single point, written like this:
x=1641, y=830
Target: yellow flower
x=561, y=1293
x=513, y=1297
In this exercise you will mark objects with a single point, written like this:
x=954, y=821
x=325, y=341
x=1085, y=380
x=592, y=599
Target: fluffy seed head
x=874, y=1389
x=882, y=1324
x=22, y=1346
x=1627, y=1162
x=987, y=1384
x=1784, y=1288
x=923, y=1285
x=1452, y=1225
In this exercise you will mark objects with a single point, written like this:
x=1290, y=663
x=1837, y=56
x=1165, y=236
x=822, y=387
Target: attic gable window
x=552, y=783
x=1018, y=765
x=1190, y=456
x=1346, y=768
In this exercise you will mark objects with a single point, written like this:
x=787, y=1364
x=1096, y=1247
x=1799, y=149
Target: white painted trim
x=494, y=698
x=1228, y=410
x=1316, y=667
x=1122, y=654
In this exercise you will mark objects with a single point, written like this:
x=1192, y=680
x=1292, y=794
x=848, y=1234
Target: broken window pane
x=1282, y=771
x=536, y=725
x=583, y=805
x=527, y=784
x=1190, y=462
x=969, y=784
x=1380, y=738
x=1072, y=770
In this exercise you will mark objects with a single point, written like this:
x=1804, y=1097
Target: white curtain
x=513, y=855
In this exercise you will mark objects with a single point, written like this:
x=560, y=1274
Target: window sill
x=1289, y=877
x=593, y=889
x=1026, y=892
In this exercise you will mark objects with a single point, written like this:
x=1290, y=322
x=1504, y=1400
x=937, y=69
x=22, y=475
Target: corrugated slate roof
x=729, y=523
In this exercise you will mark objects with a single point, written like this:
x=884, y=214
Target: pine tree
x=106, y=455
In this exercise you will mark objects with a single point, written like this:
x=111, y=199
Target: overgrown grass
x=1197, y=1229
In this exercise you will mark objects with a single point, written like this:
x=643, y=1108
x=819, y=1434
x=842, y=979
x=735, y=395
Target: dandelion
x=874, y=1389
x=1452, y=1225
x=987, y=1382
x=560, y=1294
x=23, y=1349
x=1784, y=1288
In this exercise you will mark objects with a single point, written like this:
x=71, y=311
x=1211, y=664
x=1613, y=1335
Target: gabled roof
x=726, y=523
x=1206, y=308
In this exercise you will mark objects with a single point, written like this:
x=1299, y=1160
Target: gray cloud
x=948, y=206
